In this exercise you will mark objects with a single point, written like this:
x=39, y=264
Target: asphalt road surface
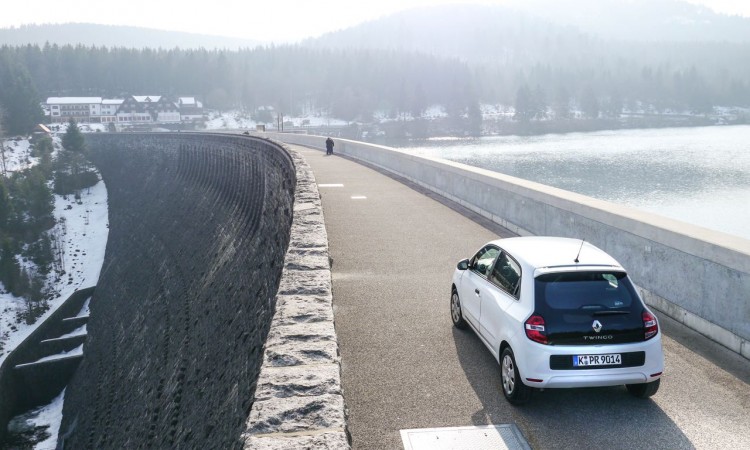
x=405, y=366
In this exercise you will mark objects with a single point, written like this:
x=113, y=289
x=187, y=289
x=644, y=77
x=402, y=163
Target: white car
x=557, y=313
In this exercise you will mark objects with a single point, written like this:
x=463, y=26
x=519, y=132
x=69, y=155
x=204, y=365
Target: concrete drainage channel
x=485, y=437
x=298, y=400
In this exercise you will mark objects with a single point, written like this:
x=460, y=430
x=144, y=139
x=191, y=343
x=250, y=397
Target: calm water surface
x=697, y=175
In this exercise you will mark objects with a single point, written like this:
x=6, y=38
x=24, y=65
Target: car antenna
x=579, y=251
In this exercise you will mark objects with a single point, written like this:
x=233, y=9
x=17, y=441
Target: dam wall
x=697, y=276
x=199, y=226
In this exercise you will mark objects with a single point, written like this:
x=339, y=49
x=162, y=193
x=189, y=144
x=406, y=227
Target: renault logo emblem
x=597, y=326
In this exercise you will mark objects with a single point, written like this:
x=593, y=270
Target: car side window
x=481, y=263
x=506, y=274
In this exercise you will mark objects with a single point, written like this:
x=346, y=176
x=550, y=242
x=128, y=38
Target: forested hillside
x=457, y=57
x=508, y=49
x=89, y=34
x=348, y=83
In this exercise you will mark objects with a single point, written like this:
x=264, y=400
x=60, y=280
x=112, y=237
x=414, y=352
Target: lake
x=696, y=175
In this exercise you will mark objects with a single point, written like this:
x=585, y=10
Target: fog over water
x=696, y=175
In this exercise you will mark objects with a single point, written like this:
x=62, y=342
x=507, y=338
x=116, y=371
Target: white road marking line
x=358, y=197
x=330, y=185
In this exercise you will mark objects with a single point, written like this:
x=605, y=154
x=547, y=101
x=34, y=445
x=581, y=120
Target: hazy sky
x=270, y=20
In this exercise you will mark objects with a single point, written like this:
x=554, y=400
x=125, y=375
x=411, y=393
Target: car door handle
x=477, y=291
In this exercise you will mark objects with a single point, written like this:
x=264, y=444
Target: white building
x=135, y=109
x=190, y=109
x=82, y=109
x=109, y=109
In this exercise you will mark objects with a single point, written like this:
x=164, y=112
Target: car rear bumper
x=535, y=370
x=573, y=381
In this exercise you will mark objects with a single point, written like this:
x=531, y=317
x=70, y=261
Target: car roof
x=556, y=253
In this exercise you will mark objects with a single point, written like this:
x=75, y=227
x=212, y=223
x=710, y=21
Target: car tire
x=456, y=315
x=514, y=390
x=643, y=390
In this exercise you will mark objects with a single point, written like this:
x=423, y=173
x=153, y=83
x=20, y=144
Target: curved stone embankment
x=199, y=226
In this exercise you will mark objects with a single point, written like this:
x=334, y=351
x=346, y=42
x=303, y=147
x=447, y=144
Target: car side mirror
x=463, y=264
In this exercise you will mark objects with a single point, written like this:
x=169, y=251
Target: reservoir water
x=696, y=175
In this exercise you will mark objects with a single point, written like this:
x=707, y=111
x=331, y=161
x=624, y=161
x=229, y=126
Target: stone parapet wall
x=199, y=226
x=299, y=401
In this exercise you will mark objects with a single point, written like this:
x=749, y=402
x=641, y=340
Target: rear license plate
x=613, y=359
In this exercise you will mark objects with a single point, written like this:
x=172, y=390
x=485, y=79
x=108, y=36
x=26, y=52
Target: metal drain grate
x=487, y=437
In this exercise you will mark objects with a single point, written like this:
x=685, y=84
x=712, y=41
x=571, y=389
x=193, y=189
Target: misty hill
x=469, y=32
x=89, y=34
x=457, y=57
x=545, y=31
x=508, y=48
x=642, y=20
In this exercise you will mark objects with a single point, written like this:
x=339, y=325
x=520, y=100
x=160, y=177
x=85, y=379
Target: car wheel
x=456, y=316
x=514, y=390
x=643, y=390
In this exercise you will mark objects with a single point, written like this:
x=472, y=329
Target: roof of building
x=73, y=100
x=147, y=98
x=112, y=101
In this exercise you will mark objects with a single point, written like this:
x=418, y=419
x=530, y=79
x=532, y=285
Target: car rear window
x=584, y=291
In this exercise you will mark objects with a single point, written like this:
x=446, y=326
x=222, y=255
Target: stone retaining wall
x=16, y=395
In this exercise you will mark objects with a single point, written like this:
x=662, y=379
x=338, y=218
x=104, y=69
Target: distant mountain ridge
x=642, y=20
x=476, y=32
x=89, y=34
x=467, y=31
x=539, y=33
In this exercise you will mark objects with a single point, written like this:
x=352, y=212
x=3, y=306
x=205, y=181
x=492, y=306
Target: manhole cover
x=486, y=437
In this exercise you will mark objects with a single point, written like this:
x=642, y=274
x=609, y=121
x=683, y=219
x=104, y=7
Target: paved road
x=405, y=366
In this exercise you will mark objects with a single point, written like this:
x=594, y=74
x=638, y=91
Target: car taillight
x=650, y=325
x=535, y=329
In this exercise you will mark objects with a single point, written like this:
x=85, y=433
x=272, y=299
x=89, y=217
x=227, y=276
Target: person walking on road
x=329, y=146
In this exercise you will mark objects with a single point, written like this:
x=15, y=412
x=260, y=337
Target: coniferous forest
x=400, y=66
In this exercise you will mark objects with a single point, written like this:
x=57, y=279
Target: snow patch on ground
x=49, y=415
x=82, y=226
x=80, y=331
x=78, y=351
x=17, y=155
x=236, y=119
x=40, y=425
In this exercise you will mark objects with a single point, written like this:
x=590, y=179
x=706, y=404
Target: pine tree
x=73, y=139
x=524, y=104
x=10, y=271
x=590, y=103
x=19, y=99
x=6, y=206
